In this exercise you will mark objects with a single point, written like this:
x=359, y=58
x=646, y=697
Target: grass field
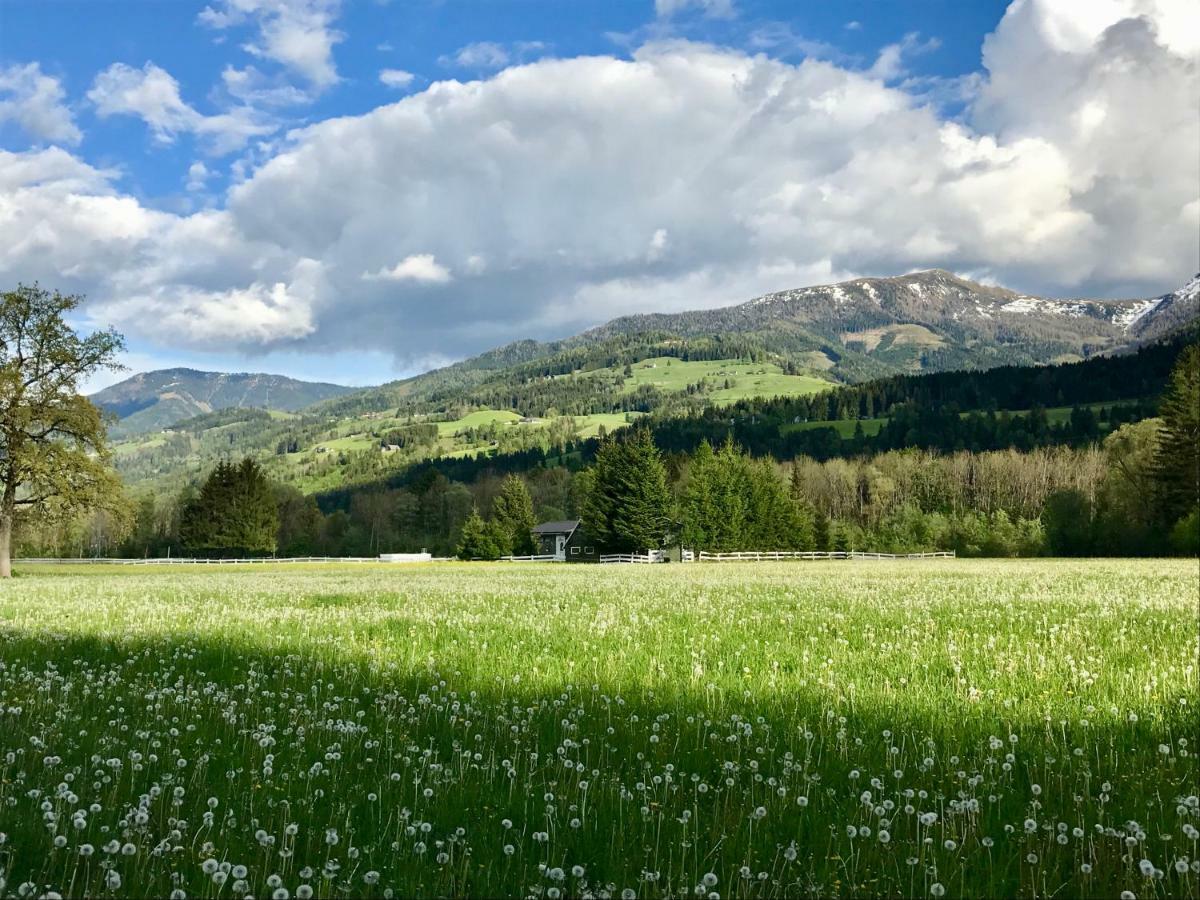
x=843, y=729
x=745, y=379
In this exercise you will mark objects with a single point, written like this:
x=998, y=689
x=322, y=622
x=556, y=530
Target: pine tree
x=512, y=512
x=698, y=509
x=626, y=508
x=477, y=540
x=1177, y=462
x=821, y=532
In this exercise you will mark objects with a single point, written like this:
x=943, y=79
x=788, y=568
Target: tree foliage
x=734, y=502
x=512, y=512
x=1177, y=461
x=54, y=458
x=627, y=508
x=480, y=539
x=234, y=513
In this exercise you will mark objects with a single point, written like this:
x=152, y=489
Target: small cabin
x=567, y=541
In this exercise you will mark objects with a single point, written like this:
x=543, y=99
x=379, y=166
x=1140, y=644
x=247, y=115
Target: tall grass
x=841, y=729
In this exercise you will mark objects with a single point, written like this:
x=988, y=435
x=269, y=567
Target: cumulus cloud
x=395, y=78
x=151, y=94
x=34, y=101
x=252, y=88
x=297, y=34
x=556, y=194
x=420, y=267
x=258, y=314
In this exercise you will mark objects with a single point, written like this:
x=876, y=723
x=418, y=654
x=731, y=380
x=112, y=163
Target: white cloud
x=34, y=101
x=565, y=191
x=420, y=267
x=480, y=55
x=297, y=34
x=151, y=94
x=396, y=78
x=198, y=175
x=254, y=89
x=713, y=9
x=889, y=65
x=258, y=314
x=658, y=245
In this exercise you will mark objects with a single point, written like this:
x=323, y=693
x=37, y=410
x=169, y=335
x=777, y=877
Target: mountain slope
x=850, y=332
x=934, y=321
x=529, y=395
x=156, y=400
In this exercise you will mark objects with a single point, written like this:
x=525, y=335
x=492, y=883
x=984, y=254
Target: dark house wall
x=581, y=547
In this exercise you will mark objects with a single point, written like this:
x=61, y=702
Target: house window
x=574, y=551
x=590, y=550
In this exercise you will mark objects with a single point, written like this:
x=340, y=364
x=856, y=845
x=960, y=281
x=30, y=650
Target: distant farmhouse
x=566, y=541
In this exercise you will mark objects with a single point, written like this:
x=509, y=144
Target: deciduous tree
x=53, y=447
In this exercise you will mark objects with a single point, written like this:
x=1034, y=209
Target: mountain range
x=846, y=332
x=154, y=400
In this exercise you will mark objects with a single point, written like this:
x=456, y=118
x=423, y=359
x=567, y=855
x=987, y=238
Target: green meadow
x=917, y=728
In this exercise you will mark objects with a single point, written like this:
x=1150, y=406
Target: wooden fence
x=767, y=556
x=197, y=561
x=610, y=558
x=654, y=557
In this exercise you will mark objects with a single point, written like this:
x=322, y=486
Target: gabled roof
x=567, y=526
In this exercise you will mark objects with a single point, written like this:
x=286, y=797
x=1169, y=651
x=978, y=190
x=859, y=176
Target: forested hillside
x=748, y=367
x=848, y=332
x=1001, y=461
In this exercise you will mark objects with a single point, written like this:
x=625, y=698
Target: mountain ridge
x=158, y=399
x=855, y=330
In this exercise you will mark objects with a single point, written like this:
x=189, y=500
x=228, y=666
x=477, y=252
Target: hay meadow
x=926, y=729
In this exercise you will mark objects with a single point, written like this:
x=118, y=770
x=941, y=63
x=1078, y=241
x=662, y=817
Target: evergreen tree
x=626, y=509
x=697, y=508
x=512, y=512
x=499, y=537
x=821, y=537
x=1177, y=462
x=776, y=521
x=477, y=540
x=235, y=512
x=1067, y=518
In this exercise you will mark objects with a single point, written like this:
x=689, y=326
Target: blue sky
x=357, y=190
x=73, y=40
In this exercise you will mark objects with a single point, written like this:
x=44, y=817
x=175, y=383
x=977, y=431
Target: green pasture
x=948, y=727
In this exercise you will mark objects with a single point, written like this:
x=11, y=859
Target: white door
x=560, y=547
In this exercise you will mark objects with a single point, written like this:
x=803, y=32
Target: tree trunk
x=6, y=527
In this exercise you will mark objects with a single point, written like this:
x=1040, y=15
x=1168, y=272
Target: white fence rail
x=201, y=561
x=654, y=556
x=767, y=556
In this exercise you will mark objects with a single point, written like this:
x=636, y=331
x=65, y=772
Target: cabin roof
x=566, y=526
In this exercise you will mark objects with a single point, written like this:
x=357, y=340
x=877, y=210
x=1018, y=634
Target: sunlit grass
x=837, y=729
